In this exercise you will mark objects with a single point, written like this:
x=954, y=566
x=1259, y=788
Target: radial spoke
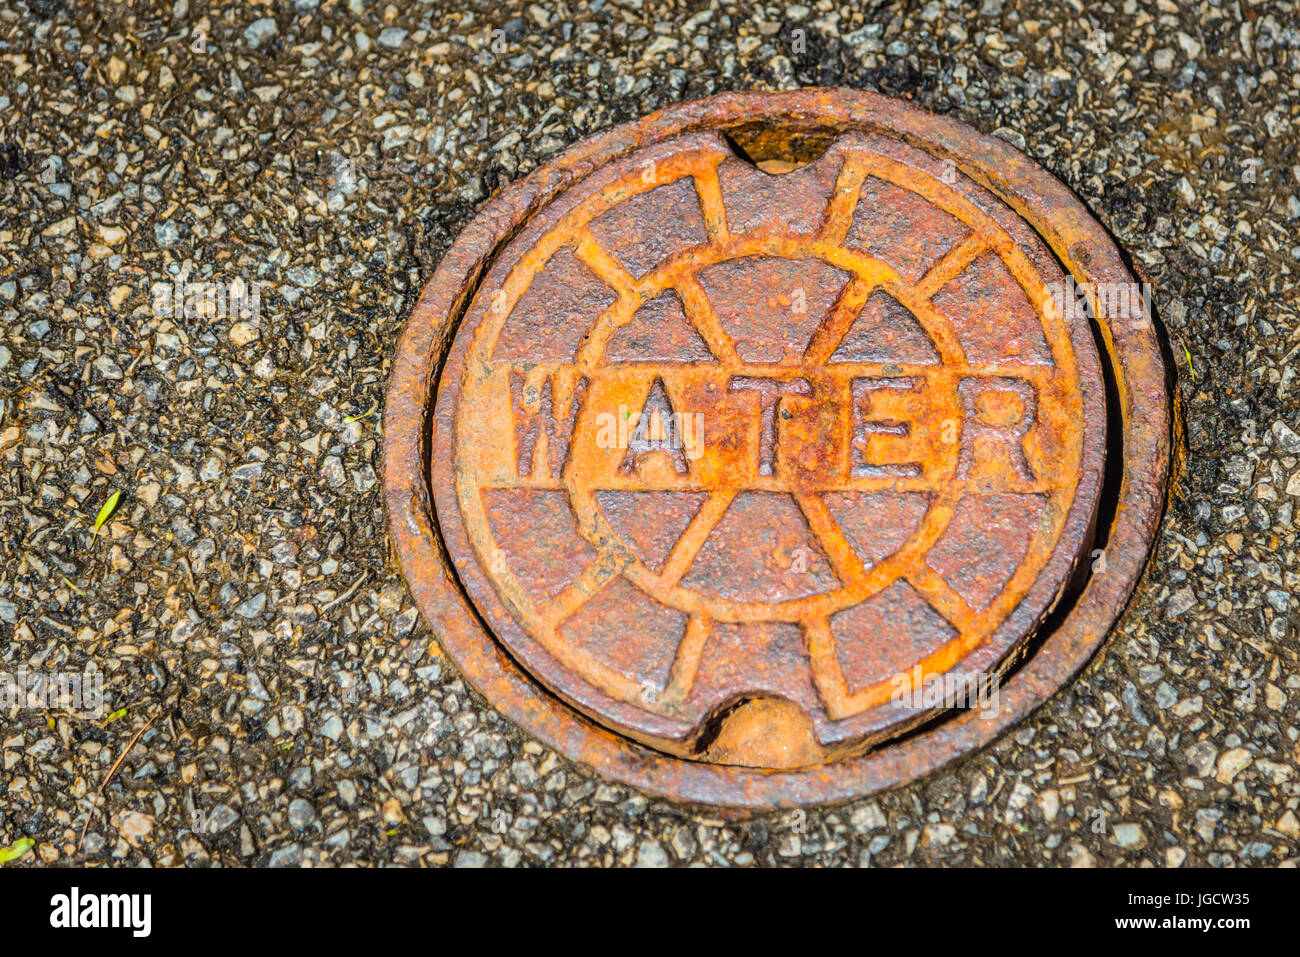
x=828, y=677
x=826, y=339
x=692, y=539
x=951, y=265
x=940, y=596
x=842, y=556
x=610, y=321
x=598, y=260
x=848, y=192
x=715, y=211
x=702, y=316
x=595, y=577
x=686, y=664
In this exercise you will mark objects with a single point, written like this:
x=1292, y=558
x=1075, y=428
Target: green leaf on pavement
x=106, y=513
x=16, y=850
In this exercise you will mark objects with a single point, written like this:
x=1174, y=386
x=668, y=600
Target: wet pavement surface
x=306, y=164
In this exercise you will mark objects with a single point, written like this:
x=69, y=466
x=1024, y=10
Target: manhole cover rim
x=1079, y=243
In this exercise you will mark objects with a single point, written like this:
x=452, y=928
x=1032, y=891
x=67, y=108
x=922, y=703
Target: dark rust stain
x=735, y=462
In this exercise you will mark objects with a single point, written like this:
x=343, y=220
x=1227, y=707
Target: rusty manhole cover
x=762, y=448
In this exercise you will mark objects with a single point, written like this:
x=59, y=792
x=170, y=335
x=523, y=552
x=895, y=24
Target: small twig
x=347, y=594
x=111, y=771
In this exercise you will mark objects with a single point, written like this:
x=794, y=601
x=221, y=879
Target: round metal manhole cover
x=755, y=453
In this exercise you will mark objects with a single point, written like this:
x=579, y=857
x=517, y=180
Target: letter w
x=531, y=425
